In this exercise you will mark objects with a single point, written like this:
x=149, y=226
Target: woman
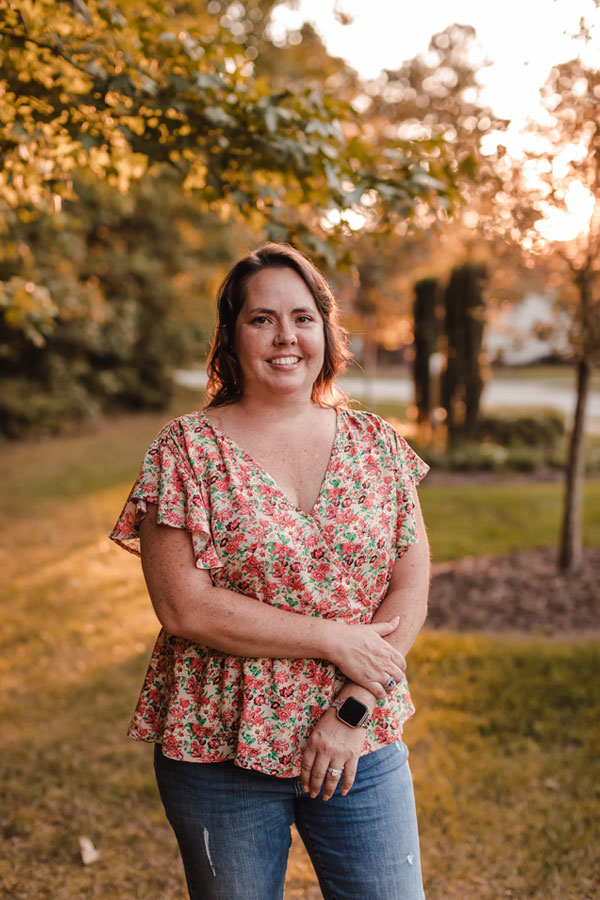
x=286, y=558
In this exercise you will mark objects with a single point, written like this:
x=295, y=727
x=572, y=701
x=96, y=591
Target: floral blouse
x=206, y=706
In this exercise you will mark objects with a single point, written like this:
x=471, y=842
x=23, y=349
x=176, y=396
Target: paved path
x=501, y=392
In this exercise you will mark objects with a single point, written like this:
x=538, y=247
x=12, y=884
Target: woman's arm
x=333, y=743
x=406, y=597
x=189, y=605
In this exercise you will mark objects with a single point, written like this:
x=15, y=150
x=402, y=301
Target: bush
x=522, y=443
x=542, y=430
x=28, y=409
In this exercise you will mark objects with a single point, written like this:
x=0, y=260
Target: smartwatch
x=352, y=712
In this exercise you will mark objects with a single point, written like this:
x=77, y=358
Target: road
x=501, y=392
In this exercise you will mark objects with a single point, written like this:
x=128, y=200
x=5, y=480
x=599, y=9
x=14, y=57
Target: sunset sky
x=522, y=38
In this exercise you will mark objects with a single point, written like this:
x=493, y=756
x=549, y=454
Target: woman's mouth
x=285, y=361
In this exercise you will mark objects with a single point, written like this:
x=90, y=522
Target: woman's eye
x=303, y=319
x=259, y=320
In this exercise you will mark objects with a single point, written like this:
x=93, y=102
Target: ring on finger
x=390, y=684
x=335, y=773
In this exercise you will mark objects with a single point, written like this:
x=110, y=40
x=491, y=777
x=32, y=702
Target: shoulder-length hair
x=225, y=378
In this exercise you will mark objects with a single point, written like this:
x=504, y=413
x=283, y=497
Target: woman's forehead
x=278, y=289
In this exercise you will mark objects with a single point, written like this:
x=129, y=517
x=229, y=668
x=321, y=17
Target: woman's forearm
x=188, y=605
x=409, y=601
x=242, y=626
x=407, y=598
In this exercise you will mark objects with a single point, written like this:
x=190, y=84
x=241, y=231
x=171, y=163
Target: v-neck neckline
x=218, y=431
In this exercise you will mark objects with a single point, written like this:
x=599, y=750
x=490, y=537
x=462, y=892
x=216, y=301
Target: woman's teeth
x=284, y=361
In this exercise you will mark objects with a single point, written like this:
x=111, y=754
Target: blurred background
x=441, y=164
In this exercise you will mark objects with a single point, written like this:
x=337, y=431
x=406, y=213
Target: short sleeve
x=166, y=478
x=409, y=470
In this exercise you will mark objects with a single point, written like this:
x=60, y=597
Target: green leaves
x=28, y=308
x=192, y=94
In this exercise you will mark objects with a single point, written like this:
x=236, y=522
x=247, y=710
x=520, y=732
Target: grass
x=472, y=520
x=503, y=748
x=504, y=754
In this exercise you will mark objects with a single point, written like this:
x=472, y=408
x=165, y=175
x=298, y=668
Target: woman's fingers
x=375, y=687
x=349, y=774
x=308, y=758
x=327, y=774
x=330, y=756
x=319, y=773
x=332, y=780
x=366, y=656
x=384, y=628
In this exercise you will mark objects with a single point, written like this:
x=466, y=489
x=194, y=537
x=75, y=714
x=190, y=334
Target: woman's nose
x=285, y=333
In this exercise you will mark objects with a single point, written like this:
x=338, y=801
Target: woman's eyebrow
x=272, y=312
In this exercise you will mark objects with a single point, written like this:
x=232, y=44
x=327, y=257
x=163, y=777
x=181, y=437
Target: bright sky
x=522, y=38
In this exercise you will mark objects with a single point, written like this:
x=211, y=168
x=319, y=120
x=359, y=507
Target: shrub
x=542, y=430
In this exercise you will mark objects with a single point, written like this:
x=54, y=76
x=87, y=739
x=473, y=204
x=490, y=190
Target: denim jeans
x=233, y=829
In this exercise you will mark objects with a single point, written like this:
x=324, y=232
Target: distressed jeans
x=233, y=829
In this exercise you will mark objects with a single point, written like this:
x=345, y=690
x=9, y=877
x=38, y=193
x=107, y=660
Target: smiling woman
x=285, y=555
x=279, y=336
x=279, y=263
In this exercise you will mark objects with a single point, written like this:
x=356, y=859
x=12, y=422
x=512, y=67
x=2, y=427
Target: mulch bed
x=522, y=592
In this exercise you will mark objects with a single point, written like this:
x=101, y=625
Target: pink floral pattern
x=335, y=562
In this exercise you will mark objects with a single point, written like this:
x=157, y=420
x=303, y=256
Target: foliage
x=434, y=94
x=115, y=107
x=133, y=280
x=565, y=168
x=568, y=166
x=120, y=91
x=541, y=430
x=504, y=442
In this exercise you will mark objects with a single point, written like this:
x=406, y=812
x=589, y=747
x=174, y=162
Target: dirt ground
x=519, y=592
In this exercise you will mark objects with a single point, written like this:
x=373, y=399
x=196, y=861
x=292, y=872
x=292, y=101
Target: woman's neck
x=274, y=408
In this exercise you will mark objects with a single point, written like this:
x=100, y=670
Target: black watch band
x=352, y=712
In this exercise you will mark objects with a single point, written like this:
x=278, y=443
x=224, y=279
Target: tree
x=170, y=93
x=132, y=279
x=120, y=92
x=563, y=175
x=433, y=95
x=425, y=336
x=462, y=382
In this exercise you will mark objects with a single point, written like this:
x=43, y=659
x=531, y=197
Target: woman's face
x=279, y=335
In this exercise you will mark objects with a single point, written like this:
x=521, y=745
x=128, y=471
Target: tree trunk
x=370, y=354
x=425, y=334
x=473, y=338
x=451, y=382
x=571, y=539
x=462, y=383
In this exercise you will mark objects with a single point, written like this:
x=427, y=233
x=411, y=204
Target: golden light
x=567, y=224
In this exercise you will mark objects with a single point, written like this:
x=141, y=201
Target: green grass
x=503, y=748
x=504, y=751
x=472, y=520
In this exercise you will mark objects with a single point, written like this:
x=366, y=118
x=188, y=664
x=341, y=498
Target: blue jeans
x=233, y=829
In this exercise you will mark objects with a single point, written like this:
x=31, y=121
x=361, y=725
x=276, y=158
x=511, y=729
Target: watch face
x=353, y=711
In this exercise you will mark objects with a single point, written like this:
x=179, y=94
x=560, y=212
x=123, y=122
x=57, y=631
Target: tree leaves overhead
x=121, y=89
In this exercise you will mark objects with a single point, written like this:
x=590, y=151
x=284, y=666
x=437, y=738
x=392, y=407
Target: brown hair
x=225, y=379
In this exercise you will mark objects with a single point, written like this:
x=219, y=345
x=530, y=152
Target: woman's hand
x=332, y=745
x=365, y=657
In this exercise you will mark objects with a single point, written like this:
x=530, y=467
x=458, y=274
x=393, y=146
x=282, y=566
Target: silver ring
x=390, y=684
x=335, y=773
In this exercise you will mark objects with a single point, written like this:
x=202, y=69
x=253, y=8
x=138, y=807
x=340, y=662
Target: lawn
x=503, y=748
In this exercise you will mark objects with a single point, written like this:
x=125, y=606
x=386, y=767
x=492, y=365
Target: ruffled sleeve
x=409, y=470
x=168, y=479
